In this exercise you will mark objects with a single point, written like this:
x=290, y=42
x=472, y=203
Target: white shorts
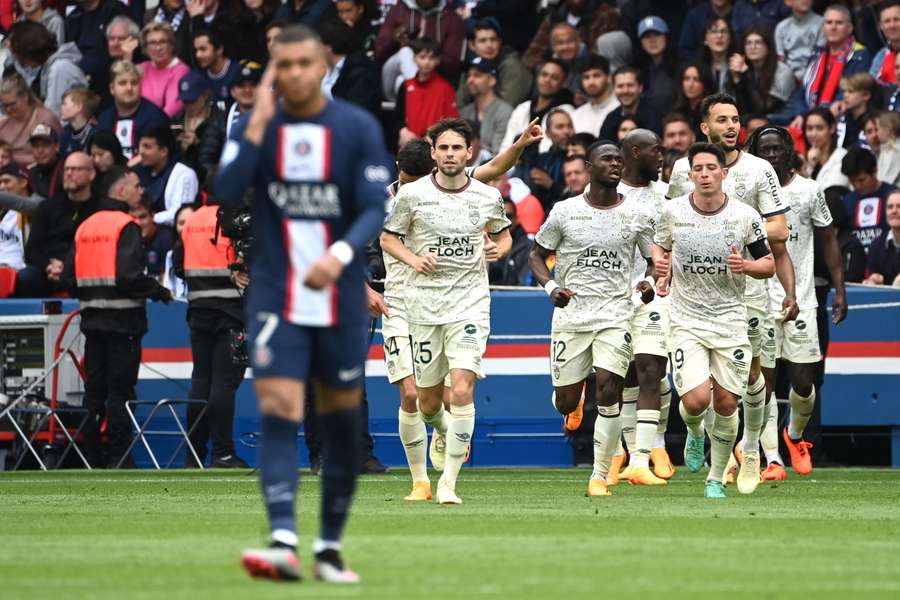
x=398, y=358
x=395, y=325
x=650, y=329
x=796, y=341
x=759, y=322
x=695, y=359
x=439, y=348
x=574, y=354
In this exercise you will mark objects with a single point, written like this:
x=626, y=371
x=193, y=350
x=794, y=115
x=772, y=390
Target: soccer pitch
x=520, y=534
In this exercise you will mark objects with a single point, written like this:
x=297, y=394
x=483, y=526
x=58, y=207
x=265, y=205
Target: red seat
x=7, y=282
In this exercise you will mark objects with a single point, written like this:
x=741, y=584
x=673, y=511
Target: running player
x=318, y=170
x=594, y=236
x=706, y=233
x=752, y=181
x=442, y=220
x=797, y=341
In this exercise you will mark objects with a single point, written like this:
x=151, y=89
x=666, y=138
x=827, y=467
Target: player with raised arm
x=752, y=181
x=318, y=170
x=594, y=236
x=705, y=233
x=797, y=340
x=450, y=225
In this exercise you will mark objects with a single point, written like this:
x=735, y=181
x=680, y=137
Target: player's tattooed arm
x=537, y=259
x=391, y=243
x=784, y=267
x=507, y=159
x=832, y=252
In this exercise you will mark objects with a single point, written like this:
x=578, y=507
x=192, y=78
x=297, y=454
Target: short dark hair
x=163, y=137
x=558, y=63
x=858, y=161
x=675, y=117
x=886, y=4
x=574, y=157
x=583, y=139
x=215, y=38
x=598, y=144
x=426, y=45
x=415, y=158
x=460, y=126
x=145, y=202
x=594, y=61
x=296, y=33
x=626, y=70
x=487, y=23
x=706, y=148
x=31, y=40
x=276, y=24
x=339, y=36
x=713, y=99
x=114, y=175
x=556, y=111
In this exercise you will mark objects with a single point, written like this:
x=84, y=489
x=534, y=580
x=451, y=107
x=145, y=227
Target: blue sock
x=340, y=465
x=278, y=471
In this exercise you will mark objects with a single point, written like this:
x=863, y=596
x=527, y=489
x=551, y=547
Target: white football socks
x=694, y=423
x=459, y=436
x=438, y=420
x=754, y=414
x=629, y=417
x=647, y=422
x=801, y=409
x=769, y=437
x=414, y=438
x=722, y=436
x=607, y=429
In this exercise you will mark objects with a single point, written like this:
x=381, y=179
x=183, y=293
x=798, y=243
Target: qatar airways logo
x=311, y=200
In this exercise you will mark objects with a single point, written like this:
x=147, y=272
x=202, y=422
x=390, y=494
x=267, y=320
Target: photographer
x=212, y=264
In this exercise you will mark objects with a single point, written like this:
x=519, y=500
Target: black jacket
x=646, y=115
x=197, y=156
x=212, y=140
x=513, y=268
x=46, y=181
x=131, y=280
x=359, y=83
x=53, y=228
x=92, y=43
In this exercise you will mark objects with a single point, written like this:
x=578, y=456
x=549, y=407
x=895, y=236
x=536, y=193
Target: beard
x=452, y=171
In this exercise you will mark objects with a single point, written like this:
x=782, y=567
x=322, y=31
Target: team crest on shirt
x=303, y=148
x=474, y=216
x=729, y=238
x=555, y=372
x=740, y=186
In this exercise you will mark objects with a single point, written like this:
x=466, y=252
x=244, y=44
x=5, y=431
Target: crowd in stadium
x=160, y=89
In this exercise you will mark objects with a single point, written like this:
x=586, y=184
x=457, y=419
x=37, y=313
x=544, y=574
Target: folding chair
x=143, y=430
x=46, y=413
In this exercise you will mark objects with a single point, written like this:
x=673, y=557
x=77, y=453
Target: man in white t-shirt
x=595, y=82
x=13, y=180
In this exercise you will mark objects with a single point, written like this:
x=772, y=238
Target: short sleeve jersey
x=650, y=198
x=396, y=271
x=808, y=211
x=451, y=225
x=705, y=295
x=595, y=250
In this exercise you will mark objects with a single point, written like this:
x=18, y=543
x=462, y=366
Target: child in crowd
x=78, y=109
x=426, y=98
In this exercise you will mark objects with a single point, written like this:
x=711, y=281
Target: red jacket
x=428, y=102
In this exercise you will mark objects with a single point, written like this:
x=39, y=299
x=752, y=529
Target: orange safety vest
x=96, y=247
x=206, y=257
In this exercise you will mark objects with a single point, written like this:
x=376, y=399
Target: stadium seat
x=7, y=282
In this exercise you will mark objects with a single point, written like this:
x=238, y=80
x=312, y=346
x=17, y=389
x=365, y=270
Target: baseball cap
x=250, y=71
x=13, y=169
x=485, y=65
x=43, y=132
x=192, y=86
x=652, y=23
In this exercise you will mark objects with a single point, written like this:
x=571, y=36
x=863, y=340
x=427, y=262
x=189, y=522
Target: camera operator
x=210, y=255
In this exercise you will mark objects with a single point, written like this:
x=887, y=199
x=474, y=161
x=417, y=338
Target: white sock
x=414, y=438
x=607, y=429
x=647, y=422
x=722, y=435
x=439, y=420
x=665, y=401
x=459, y=436
x=754, y=414
x=285, y=536
x=629, y=417
x=801, y=409
x=769, y=437
x=709, y=417
x=694, y=423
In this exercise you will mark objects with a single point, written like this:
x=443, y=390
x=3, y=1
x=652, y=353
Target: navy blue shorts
x=333, y=356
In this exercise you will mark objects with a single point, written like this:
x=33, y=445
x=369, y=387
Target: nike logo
x=349, y=374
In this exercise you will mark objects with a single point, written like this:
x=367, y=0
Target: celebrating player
x=752, y=181
x=442, y=220
x=797, y=341
x=594, y=236
x=705, y=233
x=319, y=171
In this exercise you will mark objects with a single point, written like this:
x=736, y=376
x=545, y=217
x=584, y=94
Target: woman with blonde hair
x=22, y=111
x=887, y=128
x=164, y=70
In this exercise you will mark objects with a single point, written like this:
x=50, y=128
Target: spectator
x=163, y=71
x=306, y=12
x=543, y=170
x=633, y=11
x=595, y=84
x=566, y=47
x=243, y=92
x=45, y=177
x=487, y=110
x=579, y=143
x=696, y=82
x=353, y=13
x=884, y=252
x=123, y=42
x=106, y=151
x=628, y=124
x=885, y=61
x=678, y=133
x=271, y=31
x=628, y=89
x=167, y=182
x=575, y=174
x=175, y=14
x=670, y=156
x=859, y=89
x=12, y=223
x=131, y=115
x=761, y=83
x=158, y=239
x=763, y=13
x=891, y=93
x=210, y=14
x=219, y=70
x=870, y=135
x=657, y=61
x=426, y=98
x=514, y=80
x=887, y=126
x=6, y=153
x=797, y=36
x=823, y=154
x=866, y=203
x=53, y=228
x=693, y=33
x=512, y=269
x=48, y=68
x=83, y=26
x=550, y=92
x=407, y=21
x=78, y=109
x=753, y=121
x=251, y=18
x=351, y=76
x=591, y=18
x=198, y=114
x=34, y=10
x=23, y=112
x=170, y=280
x=717, y=48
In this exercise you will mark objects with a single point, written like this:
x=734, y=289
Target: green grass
x=520, y=534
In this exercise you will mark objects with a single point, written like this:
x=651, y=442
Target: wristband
x=342, y=251
x=550, y=286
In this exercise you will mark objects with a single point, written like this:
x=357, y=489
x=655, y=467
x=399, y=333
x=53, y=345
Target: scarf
x=174, y=19
x=887, y=67
x=823, y=87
